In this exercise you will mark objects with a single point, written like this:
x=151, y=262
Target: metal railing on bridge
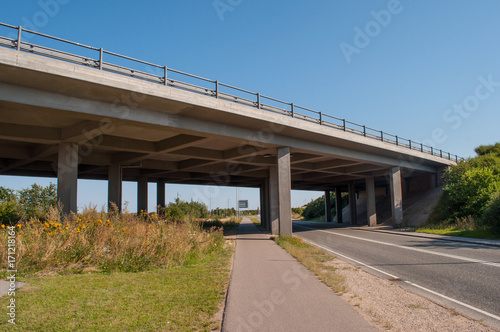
x=193, y=83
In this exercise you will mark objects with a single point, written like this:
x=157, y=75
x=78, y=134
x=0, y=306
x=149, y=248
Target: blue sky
x=421, y=69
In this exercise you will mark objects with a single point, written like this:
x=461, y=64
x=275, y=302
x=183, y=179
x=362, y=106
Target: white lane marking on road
x=472, y=260
x=349, y=258
x=407, y=282
x=455, y=301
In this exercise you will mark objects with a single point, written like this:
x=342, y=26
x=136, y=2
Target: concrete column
x=352, y=204
x=115, y=186
x=262, y=194
x=371, y=210
x=142, y=194
x=328, y=207
x=396, y=195
x=67, y=176
x=160, y=195
x=266, y=213
x=285, y=191
x=273, y=200
x=338, y=204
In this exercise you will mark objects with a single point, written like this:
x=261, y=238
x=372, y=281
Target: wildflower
x=18, y=226
x=47, y=225
x=66, y=227
x=3, y=226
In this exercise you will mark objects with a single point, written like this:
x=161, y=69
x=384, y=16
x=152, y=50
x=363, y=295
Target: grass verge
x=182, y=298
x=255, y=221
x=315, y=260
x=452, y=231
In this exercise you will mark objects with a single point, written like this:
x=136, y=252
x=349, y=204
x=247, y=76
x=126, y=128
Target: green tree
x=9, y=206
x=37, y=200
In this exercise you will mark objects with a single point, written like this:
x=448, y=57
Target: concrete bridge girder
x=50, y=110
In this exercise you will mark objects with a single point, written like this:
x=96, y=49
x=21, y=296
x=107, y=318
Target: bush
x=316, y=208
x=491, y=215
x=468, y=190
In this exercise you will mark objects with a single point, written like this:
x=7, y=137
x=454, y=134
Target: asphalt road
x=460, y=275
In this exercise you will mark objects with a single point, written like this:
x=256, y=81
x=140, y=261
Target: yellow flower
x=47, y=225
x=3, y=226
x=18, y=226
x=83, y=226
x=66, y=227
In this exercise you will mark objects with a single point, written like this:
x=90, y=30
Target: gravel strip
x=391, y=307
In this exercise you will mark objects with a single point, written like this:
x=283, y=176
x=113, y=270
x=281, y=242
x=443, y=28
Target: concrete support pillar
x=396, y=195
x=328, y=207
x=263, y=207
x=285, y=191
x=267, y=206
x=280, y=185
x=142, y=194
x=371, y=210
x=67, y=176
x=115, y=186
x=439, y=177
x=273, y=200
x=160, y=195
x=352, y=204
x=338, y=204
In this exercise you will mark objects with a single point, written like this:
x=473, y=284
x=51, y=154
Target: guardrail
x=212, y=88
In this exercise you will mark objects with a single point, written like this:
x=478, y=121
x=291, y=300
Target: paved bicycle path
x=271, y=291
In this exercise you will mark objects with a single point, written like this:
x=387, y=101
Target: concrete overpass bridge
x=71, y=111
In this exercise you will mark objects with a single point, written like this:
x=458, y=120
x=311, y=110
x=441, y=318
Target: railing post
x=101, y=56
x=441, y=153
x=421, y=147
x=19, y=30
x=258, y=100
x=456, y=158
x=343, y=122
x=320, y=118
x=217, y=89
x=291, y=107
x=364, y=130
x=165, y=75
x=381, y=135
x=449, y=156
x=397, y=142
x=409, y=143
x=432, y=150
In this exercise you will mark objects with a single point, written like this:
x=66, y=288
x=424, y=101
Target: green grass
x=314, y=259
x=452, y=231
x=183, y=298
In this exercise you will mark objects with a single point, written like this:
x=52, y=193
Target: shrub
x=491, y=215
x=468, y=190
x=9, y=206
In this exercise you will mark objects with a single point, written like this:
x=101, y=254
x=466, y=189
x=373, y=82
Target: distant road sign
x=243, y=204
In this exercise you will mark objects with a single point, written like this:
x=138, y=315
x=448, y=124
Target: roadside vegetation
x=470, y=205
x=315, y=260
x=315, y=210
x=95, y=270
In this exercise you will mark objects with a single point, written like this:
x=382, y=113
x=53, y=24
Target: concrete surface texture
x=271, y=291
